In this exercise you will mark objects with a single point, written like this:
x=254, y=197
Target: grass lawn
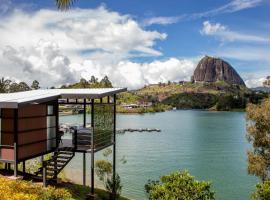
x=80, y=192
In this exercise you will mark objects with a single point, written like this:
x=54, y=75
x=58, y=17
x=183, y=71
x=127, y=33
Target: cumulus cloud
x=136, y=75
x=60, y=47
x=225, y=34
x=44, y=62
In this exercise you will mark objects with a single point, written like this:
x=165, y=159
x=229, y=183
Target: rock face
x=211, y=69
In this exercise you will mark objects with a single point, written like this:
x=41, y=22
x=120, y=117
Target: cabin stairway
x=56, y=163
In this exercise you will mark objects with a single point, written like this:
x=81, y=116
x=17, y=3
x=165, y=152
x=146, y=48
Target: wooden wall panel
x=7, y=139
x=32, y=136
x=32, y=150
x=7, y=125
x=27, y=124
x=7, y=113
x=33, y=111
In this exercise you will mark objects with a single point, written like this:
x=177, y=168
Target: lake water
x=211, y=145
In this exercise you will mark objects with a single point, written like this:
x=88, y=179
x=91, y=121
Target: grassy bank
x=80, y=192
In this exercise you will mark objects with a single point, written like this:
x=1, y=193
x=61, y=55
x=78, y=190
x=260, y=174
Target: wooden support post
x=23, y=166
x=44, y=171
x=84, y=168
x=15, y=121
x=55, y=165
x=8, y=167
x=114, y=144
x=44, y=175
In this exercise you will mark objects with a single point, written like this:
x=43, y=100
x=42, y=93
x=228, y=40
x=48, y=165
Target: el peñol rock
x=211, y=69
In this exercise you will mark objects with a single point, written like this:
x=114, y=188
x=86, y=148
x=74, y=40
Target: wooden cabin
x=29, y=128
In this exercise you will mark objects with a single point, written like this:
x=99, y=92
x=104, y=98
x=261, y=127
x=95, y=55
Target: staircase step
x=58, y=161
x=62, y=157
x=65, y=153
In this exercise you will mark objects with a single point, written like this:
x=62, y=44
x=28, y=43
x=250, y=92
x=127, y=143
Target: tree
x=93, y=80
x=22, y=86
x=262, y=191
x=105, y=82
x=83, y=83
x=35, y=85
x=258, y=134
x=179, y=185
x=4, y=85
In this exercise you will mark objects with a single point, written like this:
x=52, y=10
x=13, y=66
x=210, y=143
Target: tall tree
x=258, y=134
x=35, y=85
x=4, y=85
x=105, y=82
x=93, y=80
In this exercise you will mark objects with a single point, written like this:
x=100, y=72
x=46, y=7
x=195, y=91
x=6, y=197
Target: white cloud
x=57, y=47
x=245, y=53
x=232, y=6
x=135, y=75
x=255, y=79
x=60, y=47
x=225, y=34
x=211, y=29
x=160, y=20
x=44, y=62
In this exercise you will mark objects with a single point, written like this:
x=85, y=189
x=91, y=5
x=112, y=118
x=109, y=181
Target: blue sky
x=142, y=41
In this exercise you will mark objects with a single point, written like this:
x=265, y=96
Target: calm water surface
x=211, y=145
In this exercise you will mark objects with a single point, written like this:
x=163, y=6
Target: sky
x=133, y=42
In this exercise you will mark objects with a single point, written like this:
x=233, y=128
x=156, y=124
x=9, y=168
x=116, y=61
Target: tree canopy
x=258, y=134
x=179, y=185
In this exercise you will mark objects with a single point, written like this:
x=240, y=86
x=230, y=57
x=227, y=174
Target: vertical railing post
x=84, y=113
x=84, y=168
x=92, y=148
x=75, y=139
x=58, y=138
x=114, y=144
x=15, y=160
x=23, y=166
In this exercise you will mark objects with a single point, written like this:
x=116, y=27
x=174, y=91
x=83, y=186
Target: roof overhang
x=13, y=100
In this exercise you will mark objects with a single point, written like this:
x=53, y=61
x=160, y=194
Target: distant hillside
x=211, y=70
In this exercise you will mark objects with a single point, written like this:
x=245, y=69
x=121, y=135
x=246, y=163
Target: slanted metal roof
x=12, y=100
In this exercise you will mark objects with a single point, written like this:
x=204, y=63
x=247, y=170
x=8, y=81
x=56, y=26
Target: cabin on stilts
x=29, y=128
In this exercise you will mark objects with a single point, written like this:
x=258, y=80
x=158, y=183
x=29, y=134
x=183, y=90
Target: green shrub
x=179, y=185
x=18, y=190
x=262, y=191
